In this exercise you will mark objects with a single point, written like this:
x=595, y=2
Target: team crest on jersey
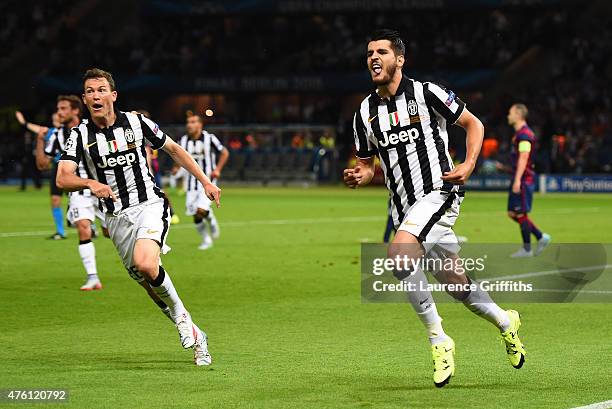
x=394, y=118
x=412, y=107
x=112, y=146
x=129, y=135
x=69, y=144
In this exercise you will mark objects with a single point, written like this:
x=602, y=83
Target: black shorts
x=53, y=189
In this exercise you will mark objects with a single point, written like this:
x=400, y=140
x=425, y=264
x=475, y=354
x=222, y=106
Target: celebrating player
x=204, y=147
x=112, y=146
x=520, y=197
x=82, y=206
x=404, y=123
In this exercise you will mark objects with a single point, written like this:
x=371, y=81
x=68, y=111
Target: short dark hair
x=397, y=44
x=98, y=73
x=75, y=102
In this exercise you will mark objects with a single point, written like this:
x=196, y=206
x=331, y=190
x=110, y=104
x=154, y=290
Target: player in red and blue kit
x=523, y=182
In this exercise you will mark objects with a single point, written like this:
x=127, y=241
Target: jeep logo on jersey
x=409, y=135
x=129, y=135
x=412, y=107
x=125, y=159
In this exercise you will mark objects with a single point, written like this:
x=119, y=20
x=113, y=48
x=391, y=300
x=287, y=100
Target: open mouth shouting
x=97, y=107
x=376, y=69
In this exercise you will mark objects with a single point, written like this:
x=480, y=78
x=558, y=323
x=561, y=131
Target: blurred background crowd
x=281, y=76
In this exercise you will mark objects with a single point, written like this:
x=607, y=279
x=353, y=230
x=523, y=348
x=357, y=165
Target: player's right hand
x=355, y=177
x=101, y=190
x=213, y=192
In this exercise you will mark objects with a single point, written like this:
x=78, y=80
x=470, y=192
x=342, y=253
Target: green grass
x=281, y=304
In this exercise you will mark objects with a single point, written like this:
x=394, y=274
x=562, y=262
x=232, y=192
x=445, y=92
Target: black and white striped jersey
x=408, y=133
x=54, y=147
x=116, y=156
x=204, y=151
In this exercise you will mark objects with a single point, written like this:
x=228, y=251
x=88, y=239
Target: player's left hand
x=213, y=193
x=459, y=175
x=215, y=174
x=516, y=187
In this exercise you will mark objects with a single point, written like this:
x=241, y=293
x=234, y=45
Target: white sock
x=212, y=220
x=481, y=304
x=164, y=288
x=88, y=257
x=203, y=230
x=425, y=307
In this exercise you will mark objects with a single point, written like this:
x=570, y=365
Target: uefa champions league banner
x=492, y=182
x=576, y=183
x=547, y=183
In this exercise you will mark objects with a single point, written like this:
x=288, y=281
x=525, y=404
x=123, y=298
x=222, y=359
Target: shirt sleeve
x=443, y=101
x=73, y=147
x=49, y=133
x=49, y=144
x=216, y=143
x=365, y=149
x=155, y=136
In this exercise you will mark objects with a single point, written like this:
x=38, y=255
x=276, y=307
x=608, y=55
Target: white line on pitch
x=560, y=210
x=309, y=221
x=556, y=290
x=230, y=223
x=549, y=272
x=599, y=405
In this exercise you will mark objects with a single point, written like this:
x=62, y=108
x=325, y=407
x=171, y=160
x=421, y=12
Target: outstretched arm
x=184, y=159
x=29, y=126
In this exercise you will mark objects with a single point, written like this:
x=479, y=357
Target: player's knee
x=458, y=283
x=147, y=266
x=512, y=215
x=406, y=258
x=197, y=219
x=203, y=213
x=105, y=232
x=84, y=229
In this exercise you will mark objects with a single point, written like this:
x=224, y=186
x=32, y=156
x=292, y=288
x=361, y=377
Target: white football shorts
x=148, y=220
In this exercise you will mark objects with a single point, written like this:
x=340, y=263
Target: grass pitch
x=279, y=295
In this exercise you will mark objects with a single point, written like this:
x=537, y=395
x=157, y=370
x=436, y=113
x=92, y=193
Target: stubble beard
x=390, y=74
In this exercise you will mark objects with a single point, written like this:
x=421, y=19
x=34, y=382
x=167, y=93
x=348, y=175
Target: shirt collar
x=400, y=90
x=119, y=121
